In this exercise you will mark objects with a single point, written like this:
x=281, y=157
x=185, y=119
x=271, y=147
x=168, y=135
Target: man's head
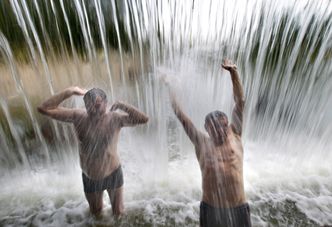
x=216, y=124
x=95, y=102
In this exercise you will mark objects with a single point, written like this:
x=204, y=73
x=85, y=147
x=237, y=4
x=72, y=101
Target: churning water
x=283, y=50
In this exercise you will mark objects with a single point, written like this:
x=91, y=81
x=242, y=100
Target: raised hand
x=116, y=105
x=228, y=65
x=78, y=91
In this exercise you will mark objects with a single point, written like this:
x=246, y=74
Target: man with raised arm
x=98, y=132
x=220, y=156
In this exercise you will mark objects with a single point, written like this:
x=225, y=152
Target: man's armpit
x=118, y=119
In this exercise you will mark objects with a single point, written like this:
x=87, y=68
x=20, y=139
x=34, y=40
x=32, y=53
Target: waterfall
x=283, y=51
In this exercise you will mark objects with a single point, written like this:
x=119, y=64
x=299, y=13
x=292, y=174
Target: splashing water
x=283, y=51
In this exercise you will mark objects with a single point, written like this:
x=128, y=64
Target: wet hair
x=214, y=117
x=92, y=95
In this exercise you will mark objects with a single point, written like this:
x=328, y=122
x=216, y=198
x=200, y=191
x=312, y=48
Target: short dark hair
x=215, y=115
x=92, y=95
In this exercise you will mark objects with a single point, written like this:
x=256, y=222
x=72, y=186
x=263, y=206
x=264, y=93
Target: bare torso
x=222, y=171
x=98, y=145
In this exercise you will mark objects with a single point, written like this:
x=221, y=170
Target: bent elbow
x=42, y=110
x=145, y=120
x=140, y=120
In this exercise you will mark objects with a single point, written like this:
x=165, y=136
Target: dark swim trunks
x=113, y=181
x=229, y=217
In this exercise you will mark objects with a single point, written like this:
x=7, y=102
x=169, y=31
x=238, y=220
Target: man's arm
x=187, y=124
x=133, y=116
x=51, y=106
x=237, y=115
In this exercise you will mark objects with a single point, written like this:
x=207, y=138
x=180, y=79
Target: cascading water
x=283, y=51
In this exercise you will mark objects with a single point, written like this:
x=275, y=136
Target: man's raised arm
x=237, y=115
x=133, y=116
x=51, y=106
x=187, y=124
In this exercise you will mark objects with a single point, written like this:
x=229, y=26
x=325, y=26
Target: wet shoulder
x=202, y=140
x=203, y=147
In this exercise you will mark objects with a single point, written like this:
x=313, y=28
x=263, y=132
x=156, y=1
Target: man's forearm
x=179, y=113
x=175, y=106
x=237, y=86
x=55, y=100
x=133, y=112
x=187, y=124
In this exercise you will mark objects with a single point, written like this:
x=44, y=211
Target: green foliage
x=49, y=22
x=285, y=35
x=23, y=128
x=10, y=27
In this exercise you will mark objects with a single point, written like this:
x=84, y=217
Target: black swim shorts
x=229, y=217
x=113, y=181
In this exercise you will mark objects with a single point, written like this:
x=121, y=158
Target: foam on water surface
x=275, y=185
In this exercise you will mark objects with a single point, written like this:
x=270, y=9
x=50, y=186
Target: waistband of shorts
x=242, y=206
x=115, y=171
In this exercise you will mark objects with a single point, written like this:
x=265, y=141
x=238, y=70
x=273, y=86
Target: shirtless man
x=220, y=156
x=98, y=132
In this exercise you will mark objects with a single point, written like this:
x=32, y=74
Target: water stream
x=283, y=50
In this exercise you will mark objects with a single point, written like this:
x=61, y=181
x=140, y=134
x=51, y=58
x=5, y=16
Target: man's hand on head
x=116, y=105
x=228, y=65
x=78, y=91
